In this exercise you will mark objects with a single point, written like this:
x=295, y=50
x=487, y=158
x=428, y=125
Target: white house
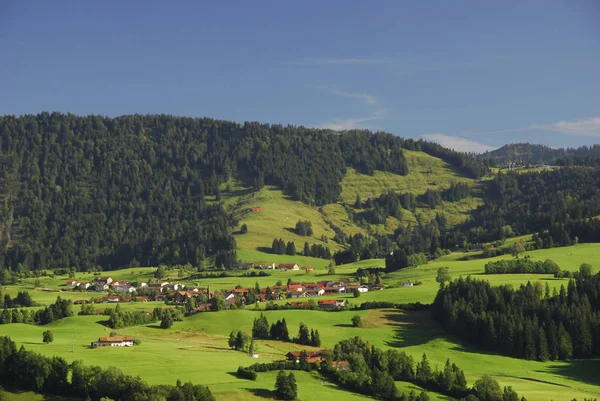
x=85, y=285
x=363, y=288
x=72, y=283
x=289, y=266
x=124, y=288
x=101, y=287
x=408, y=284
x=113, y=342
x=142, y=284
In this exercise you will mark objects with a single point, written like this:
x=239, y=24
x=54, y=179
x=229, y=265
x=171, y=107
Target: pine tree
x=542, y=346
x=358, y=202
x=565, y=345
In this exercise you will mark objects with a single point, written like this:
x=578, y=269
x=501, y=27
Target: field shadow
x=411, y=327
x=290, y=229
x=262, y=392
x=264, y=249
x=343, y=325
x=581, y=370
x=103, y=322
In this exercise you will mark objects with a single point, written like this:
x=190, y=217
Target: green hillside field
x=279, y=213
x=196, y=349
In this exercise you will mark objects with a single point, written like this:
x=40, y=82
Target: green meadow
x=196, y=349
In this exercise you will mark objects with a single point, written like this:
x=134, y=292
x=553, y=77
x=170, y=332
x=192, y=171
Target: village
x=204, y=299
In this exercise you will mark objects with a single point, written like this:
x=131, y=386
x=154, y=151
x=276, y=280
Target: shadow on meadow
x=262, y=392
x=411, y=327
x=581, y=370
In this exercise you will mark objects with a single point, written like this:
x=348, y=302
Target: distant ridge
x=524, y=153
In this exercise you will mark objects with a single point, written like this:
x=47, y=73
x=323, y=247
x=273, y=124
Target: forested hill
x=527, y=153
x=88, y=191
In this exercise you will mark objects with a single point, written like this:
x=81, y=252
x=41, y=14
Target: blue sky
x=472, y=75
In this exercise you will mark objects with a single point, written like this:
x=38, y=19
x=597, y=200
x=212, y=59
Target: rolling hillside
x=276, y=213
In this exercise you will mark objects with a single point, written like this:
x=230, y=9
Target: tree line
x=22, y=300
x=529, y=322
x=61, y=308
x=29, y=371
x=522, y=265
x=279, y=247
x=279, y=331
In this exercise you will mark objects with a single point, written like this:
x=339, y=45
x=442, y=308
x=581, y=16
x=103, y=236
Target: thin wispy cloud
x=457, y=143
x=349, y=123
x=583, y=127
x=342, y=61
x=342, y=124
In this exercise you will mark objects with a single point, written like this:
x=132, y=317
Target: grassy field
x=424, y=172
x=196, y=349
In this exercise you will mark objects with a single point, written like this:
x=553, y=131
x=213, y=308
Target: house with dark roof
x=113, y=342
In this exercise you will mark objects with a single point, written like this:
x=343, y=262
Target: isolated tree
x=488, y=389
x=331, y=268
x=167, y=321
x=285, y=386
x=47, y=337
x=586, y=270
x=244, y=229
x=517, y=248
x=217, y=302
x=260, y=328
x=356, y=321
x=356, y=293
x=159, y=273
x=232, y=337
x=358, y=202
x=443, y=275
x=303, y=334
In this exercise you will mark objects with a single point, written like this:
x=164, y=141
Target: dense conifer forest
x=94, y=191
x=529, y=322
x=89, y=192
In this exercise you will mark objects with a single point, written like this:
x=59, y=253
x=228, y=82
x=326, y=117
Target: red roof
x=327, y=302
x=287, y=264
x=114, y=339
x=257, y=209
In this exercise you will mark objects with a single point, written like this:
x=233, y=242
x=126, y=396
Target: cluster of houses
x=106, y=283
x=302, y=290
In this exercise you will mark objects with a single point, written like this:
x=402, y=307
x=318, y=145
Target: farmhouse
x=289, y=266
x=331, y=304
x=308, y=268
x=85, y=285
x=72, y=283
x=113, y=342
x=311, y=356
x=407, y=284
x=103, y=280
